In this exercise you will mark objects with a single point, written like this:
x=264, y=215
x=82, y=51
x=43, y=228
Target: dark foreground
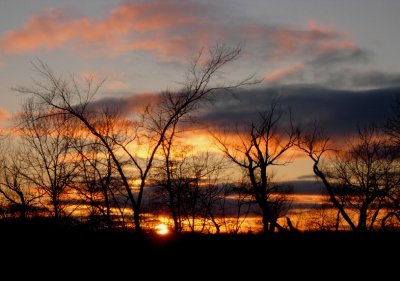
x=39, y=249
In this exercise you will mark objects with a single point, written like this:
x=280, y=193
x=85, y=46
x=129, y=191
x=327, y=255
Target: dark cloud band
x=339, y=111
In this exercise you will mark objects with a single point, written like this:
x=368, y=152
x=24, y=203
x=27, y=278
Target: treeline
x=72, y=156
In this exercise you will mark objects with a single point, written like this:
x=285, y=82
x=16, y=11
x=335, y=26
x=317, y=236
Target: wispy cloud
x=311, y=52
x=305, y=54
x=157, y=26
x=311, y=40
x=284, y=72
x=171, y=28
x=126, y=105
x=336, y=56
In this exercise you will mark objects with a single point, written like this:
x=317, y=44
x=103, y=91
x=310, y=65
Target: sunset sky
x=334, y=61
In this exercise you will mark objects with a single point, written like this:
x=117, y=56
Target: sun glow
x=162, y=229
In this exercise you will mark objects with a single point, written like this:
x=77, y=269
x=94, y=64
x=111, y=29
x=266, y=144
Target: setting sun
x=162, y=229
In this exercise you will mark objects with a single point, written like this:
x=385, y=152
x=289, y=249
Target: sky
x=332, y=61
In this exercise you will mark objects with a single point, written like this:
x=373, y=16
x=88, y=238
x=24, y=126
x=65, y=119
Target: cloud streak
x=338, y=111
x=172, y=29
x=364, y=79
x=162, y=27
x=305, y=54
x=126, y=105
x=285, y=72
x=312, y=40
x=313, y=53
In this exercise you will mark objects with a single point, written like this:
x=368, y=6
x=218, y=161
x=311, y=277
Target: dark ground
x=40, y=248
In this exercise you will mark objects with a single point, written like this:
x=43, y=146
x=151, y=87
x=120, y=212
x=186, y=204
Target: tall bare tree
x=256, y=149
x=66, y=96
x=47, y=143
x=168, y=175
x=392, y=130
x=357, y=178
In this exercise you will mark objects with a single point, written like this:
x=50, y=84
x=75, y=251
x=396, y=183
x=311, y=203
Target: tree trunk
x=332, y=197
x=272, y=228
x=105, y=186
x=108, y=210
x=23, y=207
x=337, y=221
x=362, y=220
x=55, y=204
x=136, y=221
x=265, y=222
x=173, y=212
x=23, y=212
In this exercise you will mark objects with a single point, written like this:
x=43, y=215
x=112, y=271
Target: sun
x=162, y=229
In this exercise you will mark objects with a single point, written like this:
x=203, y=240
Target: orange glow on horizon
x=201, y=142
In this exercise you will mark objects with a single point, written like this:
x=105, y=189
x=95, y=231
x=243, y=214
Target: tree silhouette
x=94, y=185
x=392, y=130
x=21, y=197
x=189, y=186
x=66, y=96
x=256, y=149
x=47, y=143
x=358, y=178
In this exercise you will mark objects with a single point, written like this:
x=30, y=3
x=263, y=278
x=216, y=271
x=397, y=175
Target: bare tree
x=365, y=174
x=174, y=193
x=21, y=197
x=163, y=119
x=201, y=194
x=66, y=96
x=256, y=149
x=392, y=130
x=392, y=127
x=189, y=186
x=181, y=164
x=47, y=144
x=358, y=178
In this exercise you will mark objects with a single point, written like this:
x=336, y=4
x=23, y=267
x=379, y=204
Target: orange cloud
x=169, y=30
x=163, y=46
x=283, y=72
x=151, y=26
x=4, y=115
